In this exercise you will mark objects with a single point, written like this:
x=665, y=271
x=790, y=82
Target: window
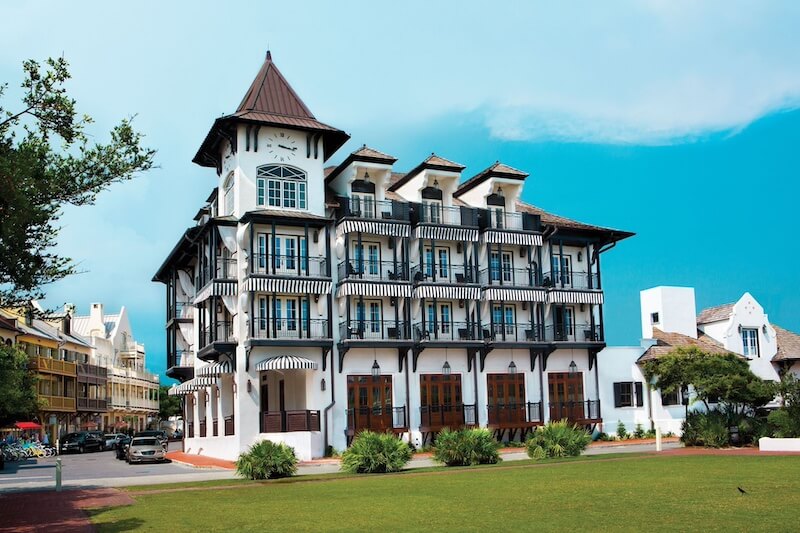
x=433, y=209
x=444, y=313
x=262, y=314
x=372, y=258
x=364, y=205
x=444, y=262
x=670, y=398
x=750, y=342
x=654, y=318
x=262, y=252
x=283, y=186
x=228, y=192
x=504, y=315
x=500, y=265
x=562, y=269
x=375, y=317
x=628, y=394
x=442, y=258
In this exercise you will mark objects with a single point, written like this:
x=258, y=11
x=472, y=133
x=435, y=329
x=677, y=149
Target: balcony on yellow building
x=48, y=365
x=57, y=403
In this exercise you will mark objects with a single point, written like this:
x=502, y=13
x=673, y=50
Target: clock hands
x=287, y=148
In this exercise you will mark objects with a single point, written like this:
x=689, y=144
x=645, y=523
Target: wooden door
x=440, y=401
x=506, y=394
x=369, y=402
x=566, y=396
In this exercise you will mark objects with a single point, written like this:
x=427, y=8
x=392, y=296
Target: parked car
x=159, y=434
x=143, y=449
x=80, y=442
x=121, y=447
x=111, y=440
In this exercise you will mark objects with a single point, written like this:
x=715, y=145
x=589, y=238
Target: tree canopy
x=46, y=162
x=18, y=399
x=168, y=405
x=722, y=377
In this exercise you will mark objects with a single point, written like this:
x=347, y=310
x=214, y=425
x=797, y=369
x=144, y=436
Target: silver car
x=142, y=449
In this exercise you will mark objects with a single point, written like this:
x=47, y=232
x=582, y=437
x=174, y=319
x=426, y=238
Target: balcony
x=573, y=333
x=499, y=219
x=367, y=209
x=374, y=330
x=91, y=373
x=184, y=359
x=57, y=403
x=121, y=402
x=289, y=421
x=570, y=280
x=290, y=328
x=181, y=311
x=225, y=269
x=447, y=216
x=44, y=364
x=444, y=273
x=585, y=412
x=376, y=419
x=124, y=375
x=509, y=277
x=222, y=332
x=372, y=270
x=290, y=265
x=450, y=331
x=514, y=332
x=437, y=417
x=93, y=404
x=515, y=415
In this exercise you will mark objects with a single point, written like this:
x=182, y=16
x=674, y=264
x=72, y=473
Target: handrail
x=375, y=418
x=438, y=331
x=444, y=273
x=290, y=328
x=388, y=330
x=511, y=277
x=372, y=209
x=372, y=270
x=573, y=333
x=289, y=265
x=570, y=280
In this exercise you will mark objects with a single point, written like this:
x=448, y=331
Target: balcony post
x=252, y=253
x=274, y=244
x=360, y=247
x=308, y=265
x=433, y=259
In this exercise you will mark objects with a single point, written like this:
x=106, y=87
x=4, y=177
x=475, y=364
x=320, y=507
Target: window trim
x=288, y=184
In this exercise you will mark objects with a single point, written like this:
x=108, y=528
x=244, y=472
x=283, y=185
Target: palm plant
x=267, y=460
x=374, y=453
x=557, y=439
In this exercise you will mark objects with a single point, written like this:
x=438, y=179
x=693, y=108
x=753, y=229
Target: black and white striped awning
x=504, y=294
x=574, y=297
x=392, y=229
x=512, y=237
x=447, y=292
x=446, y=233
x=290, y=286
x=216, y=288
x=286, y=362
x=188, y=387
x=360, y=288
x=216, y=369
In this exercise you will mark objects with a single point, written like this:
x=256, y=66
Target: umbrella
x=121, y=424
x=28, y=425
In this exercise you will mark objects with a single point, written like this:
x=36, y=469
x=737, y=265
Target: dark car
x=80, y=442
x=155, y=433
x=121, y=447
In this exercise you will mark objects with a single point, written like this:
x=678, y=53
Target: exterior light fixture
x=580, y=256
x=512, y=367
x=435, y=183
x=740, y=328
x=764, y=329
x=366, y=176
x=446, y=368
x=376, y=369
x=573, y=368
x=322, y=384
x=249, y=386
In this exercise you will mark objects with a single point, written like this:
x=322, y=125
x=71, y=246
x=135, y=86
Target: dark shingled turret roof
x=270, y=101
x=366, y=154
x=432, y=162
x=499, y=170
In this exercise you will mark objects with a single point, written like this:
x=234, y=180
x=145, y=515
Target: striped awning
x=216, y=369
x=512, y=237
x=286, y=362
x=359, y=288
x=574, y=297
x=216, y=288
x=447, y=292
x=446, y=233
x=291, y=286
x=375, y=227
x=505, y=294
x=188, y=387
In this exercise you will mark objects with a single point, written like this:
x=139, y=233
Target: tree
x=47, y=162
x=722, y=377
x=786, y=420
x=18, y=400
x=167, y=405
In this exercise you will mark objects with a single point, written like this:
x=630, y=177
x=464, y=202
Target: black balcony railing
x=514, y=332
x=586, y=411
x=573, y=333
x=225, y=269
x=290, y=265
x=510, y=277
x=515, y=414
x=181, y=310
x=92, y=404
x=288, y=421
x=449, y=216
x=499, y=219
x=367, y=208
x=95, y=371
x=223, y=332
x=379, y=330
x=290, y=328
x=376, y=419
x=373, y=270
x=229, y=425
x=435, y=417
x=444, y=273
x=446, y=331
x=180, y=358
x=570, y=280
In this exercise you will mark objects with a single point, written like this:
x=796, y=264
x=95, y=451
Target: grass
x=624, y=493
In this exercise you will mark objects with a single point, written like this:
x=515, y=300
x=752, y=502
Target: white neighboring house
x=132, y=390
x=669, y=321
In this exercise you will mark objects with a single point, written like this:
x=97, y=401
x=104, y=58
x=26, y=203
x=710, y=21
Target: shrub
x=515, y=444
x=709, y=429
x=605, y=437
x=557, y=439
x=650, y=434
x=375, y=453
x=466, y=447
x=785, y=425
x=267, y=460
x=638, y=433
x=622, y=433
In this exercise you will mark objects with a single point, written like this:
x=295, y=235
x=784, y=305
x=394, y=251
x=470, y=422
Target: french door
x=506, y=394
x=369, y=402
x=500, y=267
x=562, y=270
x=440, y=401
x=565, y=323
x=566, y=396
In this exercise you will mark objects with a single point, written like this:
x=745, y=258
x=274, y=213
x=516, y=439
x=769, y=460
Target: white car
x=111, y=439
x=142, y=449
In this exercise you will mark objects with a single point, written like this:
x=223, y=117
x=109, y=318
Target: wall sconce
x=524, y=305
x=446, y=368
x=316, y=236
x=376, y=369
x=249, y=386
x=583, y=306
x=512, y=367
x=461, y=304
x=393, y=301
x=764, y=329
x=322, y=384
x=458, y=247
x=316, y=298
x=522, y=251
x=740, y=328
x=573, y=368
x=580, y=256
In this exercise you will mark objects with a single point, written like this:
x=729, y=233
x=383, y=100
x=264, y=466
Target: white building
x=308, y=303
x=132, y=391
x=669, y=320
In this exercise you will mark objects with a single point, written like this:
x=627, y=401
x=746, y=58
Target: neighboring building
x=308, y=303
x=115, y=376
x=668, y=321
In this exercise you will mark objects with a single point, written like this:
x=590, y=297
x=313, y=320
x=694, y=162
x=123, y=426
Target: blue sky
x=677, y=120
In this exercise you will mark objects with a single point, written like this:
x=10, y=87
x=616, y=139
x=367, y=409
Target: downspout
x=330, y=405
x=475, y=381
x=408, y=398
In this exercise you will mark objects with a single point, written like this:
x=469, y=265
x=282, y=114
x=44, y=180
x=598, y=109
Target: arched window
x=227, y=189
x=281, y=186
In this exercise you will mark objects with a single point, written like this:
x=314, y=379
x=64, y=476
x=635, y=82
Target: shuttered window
x=628, y=394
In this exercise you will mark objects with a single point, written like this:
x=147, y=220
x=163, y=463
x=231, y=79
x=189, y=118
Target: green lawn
x=631, y=493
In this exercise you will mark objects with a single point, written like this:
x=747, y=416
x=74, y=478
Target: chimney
x=29, y=316
x=96, y=324
x=66, y=325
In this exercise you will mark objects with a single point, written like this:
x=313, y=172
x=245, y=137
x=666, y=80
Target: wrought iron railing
x=290, y=265
x=365, y=268
x=222, y=332
x=450, y=331
x=374, y=330
x=202, y=428
x=434, y=417
x=181, y=310
x=290, y=328
x=289, y=421
x=229, y=425
x=499, y=219
x=370, y=209
x=376, y=418
x=570, y=280
x=444, y=273
x=446, y=215
x=588, y=410
x=515, y=413
x=514, y=332
x=510, y=277
x=573, y=333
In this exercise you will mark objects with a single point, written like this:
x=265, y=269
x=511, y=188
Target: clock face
x=282, y=147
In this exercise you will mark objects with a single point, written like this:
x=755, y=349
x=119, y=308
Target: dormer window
x=364, y=201
x=281, y=186
x=432, y=205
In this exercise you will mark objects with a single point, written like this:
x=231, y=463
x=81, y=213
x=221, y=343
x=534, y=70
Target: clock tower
x=269, y=154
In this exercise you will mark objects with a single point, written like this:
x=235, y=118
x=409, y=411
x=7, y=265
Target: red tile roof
x=666, y=342
x=715, y=314
x=788, y=345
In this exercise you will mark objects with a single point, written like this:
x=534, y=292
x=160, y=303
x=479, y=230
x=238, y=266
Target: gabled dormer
x=360, y=182
x=499, y=186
